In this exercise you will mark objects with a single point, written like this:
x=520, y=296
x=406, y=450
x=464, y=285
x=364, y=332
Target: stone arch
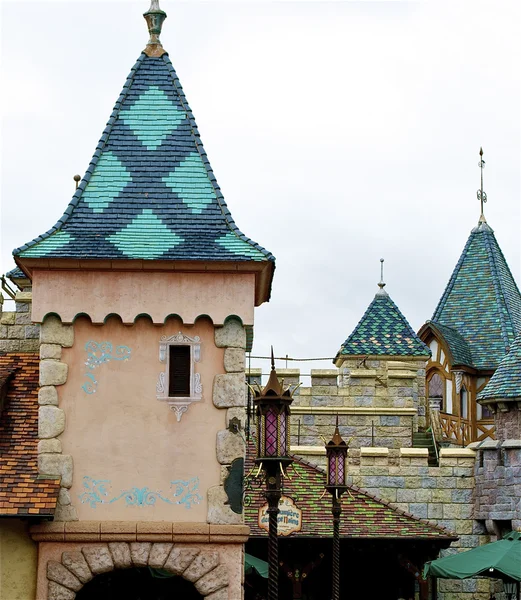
x=203, y=568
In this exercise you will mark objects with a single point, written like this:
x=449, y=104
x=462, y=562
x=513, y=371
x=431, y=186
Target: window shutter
x=179, y=371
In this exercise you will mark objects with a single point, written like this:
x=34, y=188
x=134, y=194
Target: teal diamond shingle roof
x=506, y=381
x=149, y=191
x=481, y=302
x=383, y=331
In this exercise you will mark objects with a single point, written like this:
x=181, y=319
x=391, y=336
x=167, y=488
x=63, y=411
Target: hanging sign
x=289, y=518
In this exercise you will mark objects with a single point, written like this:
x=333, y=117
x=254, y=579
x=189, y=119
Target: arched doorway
x=137, y=571
x=138, y=584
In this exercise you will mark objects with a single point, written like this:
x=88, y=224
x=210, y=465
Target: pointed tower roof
x=383, y=331
x=506, y=381
x=149, y=192
x=482, y=302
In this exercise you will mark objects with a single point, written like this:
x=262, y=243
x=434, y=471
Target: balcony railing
x=457, y=430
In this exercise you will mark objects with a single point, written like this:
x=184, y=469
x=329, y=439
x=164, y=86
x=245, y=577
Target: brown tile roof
x=363, y=515
x=21, y=492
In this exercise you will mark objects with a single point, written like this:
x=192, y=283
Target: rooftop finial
x=154, y=18
x=272, y=360
x=482, y=197
x=381, y=285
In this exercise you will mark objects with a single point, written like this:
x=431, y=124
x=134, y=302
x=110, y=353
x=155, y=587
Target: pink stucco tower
x=145, y=290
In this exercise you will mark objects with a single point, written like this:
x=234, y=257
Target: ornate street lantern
x=273, y=443
x=273, y=428
x=336, y=454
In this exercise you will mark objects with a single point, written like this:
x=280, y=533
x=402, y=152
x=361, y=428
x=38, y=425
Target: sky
x=339, y=133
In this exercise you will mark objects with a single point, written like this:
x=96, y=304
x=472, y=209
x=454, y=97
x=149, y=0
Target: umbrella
x=500, y=560
x=255, y=564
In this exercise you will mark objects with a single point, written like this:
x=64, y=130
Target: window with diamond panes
x=436, y=389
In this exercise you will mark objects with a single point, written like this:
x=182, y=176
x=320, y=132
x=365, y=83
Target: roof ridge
x=93, y=162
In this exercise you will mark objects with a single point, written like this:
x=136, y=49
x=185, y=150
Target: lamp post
x=273, y=441
x=336, y=453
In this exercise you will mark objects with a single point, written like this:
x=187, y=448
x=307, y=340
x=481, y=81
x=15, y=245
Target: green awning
x=255, y=564
x=499, y=560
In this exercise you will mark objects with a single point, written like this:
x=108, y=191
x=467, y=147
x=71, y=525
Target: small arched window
x=436, y=389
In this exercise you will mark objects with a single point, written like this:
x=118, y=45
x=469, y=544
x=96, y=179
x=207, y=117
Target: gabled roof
x=506, y=381
x=149, y=191
x=363, y=515
x=22, y=492
x=482, y=301
x=383, y=330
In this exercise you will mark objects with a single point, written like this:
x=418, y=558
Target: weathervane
x=482, y=197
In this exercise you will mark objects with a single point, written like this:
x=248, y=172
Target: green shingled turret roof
x=506, y=381
x=481, y=302
x=149, y=192
x=383, y=331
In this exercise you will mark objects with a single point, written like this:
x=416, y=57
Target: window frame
x=443, y=403
x=179, y=404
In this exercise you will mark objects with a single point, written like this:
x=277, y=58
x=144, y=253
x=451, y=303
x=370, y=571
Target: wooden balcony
x=457, y=430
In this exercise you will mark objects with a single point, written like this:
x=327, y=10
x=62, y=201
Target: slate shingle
x=383, y=331
x=481, y=302
x=506, y=381
x=149, y=191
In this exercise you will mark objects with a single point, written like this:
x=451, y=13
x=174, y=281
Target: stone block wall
x=378, y=402
x=17, y=332
x=498, y=484
x=228, y=394
x=443, y=495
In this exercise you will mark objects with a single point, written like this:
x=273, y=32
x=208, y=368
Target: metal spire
x=154, y=18
x=381, y=285
x=482, y=197
x=272, y=360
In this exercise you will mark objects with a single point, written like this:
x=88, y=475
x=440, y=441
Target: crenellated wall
x=378, y=402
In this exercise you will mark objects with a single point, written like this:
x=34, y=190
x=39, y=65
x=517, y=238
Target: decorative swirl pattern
x=99, y=353
x=183, y=492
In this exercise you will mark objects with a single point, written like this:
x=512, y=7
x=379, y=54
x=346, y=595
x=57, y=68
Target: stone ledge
x=457, y=453
x=401, y=375
x=414, y=452
x=125, y=531
x=23, y=297
x=361, y=373
x=511, y=444
x=334, y=373
x=369, y=451
x=307, y=450
x=351, y=410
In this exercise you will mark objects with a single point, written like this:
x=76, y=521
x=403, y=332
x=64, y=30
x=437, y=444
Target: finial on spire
x=381, y=285
x=154, y=18
x=272, y=360
x=482, y=197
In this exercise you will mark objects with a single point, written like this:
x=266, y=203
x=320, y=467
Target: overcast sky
x=339, y=132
